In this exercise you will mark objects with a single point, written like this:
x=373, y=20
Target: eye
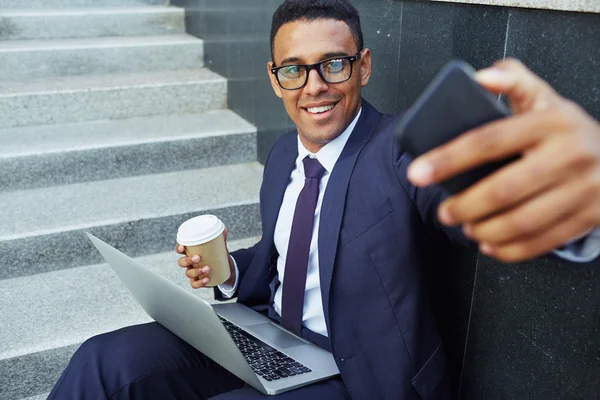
x=291, y=71
x=334, y=66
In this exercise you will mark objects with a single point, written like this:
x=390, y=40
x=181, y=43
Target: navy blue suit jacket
x=377, y=235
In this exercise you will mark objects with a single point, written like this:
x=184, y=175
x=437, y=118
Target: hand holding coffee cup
x=203, y=240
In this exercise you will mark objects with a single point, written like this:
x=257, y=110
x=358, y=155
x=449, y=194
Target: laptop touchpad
x=274, y=334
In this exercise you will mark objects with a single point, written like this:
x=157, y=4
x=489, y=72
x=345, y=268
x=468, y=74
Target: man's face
x=303, y=42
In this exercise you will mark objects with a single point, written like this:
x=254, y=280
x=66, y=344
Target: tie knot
x=313, y=168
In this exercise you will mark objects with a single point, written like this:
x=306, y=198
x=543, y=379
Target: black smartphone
x=452, y=104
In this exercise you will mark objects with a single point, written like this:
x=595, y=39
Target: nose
x=314, y=84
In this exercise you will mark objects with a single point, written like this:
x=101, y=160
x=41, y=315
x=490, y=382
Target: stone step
x=110, y=96
x=29, y=4
x=43, y=396
x=38, y=337
x=20, y=24
x=42, y=230
x=31, y=59
x=50, y=155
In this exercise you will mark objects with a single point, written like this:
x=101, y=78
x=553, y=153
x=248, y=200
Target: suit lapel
x=276, y=181
x=334, y=200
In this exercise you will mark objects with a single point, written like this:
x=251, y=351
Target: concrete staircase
x=108, y=124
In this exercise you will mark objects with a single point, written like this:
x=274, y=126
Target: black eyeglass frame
x=317, y=67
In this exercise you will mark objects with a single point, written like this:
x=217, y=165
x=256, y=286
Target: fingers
x=552, y=238
x=550, y=165
x=198, y=276
x=535, y=216
x=198, y=283
x=492, y=142
x=499, y=139
x=525, y=90
x=186, y=262
x=198, y=273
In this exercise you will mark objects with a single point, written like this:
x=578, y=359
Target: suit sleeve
x=427, y=200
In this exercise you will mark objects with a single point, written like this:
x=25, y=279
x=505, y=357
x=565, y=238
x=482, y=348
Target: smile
x=319, y=110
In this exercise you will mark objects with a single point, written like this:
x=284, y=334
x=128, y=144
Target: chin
x=328, y=135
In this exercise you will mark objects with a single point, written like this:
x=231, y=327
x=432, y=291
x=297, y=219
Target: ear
x=365, y=67
x=273, y=79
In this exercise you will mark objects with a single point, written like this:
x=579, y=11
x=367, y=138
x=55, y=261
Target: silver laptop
x=247, y=344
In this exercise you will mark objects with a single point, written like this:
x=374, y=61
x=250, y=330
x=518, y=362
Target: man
x=352, y=280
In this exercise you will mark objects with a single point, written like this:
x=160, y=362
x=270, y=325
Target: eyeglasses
x=332, y=70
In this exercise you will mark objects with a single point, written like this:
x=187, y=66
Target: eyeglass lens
x=332, y=71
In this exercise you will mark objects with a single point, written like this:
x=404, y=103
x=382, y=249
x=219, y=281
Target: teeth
x=318, y=110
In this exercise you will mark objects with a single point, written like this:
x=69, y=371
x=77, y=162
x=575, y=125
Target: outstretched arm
x=539, y=203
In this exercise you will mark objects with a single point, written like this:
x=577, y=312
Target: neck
x=311, y=146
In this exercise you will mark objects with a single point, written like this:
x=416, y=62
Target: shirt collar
x=329, y=154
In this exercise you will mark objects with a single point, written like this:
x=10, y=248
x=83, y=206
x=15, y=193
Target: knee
x=89, y=350
x=86, y=375
x=95, y=351
x=107, y=362
x=117, y=348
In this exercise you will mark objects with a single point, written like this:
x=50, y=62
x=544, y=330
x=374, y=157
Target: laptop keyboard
x=267, y=362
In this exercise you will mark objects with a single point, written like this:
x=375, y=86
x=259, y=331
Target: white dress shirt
x=313, y=316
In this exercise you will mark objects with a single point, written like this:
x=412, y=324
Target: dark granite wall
x=236, y=45
x=532, y=330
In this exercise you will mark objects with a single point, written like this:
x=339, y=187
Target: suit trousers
x=149, y=362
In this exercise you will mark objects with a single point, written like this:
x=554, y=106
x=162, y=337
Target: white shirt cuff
x=582, y=250
x=227, y=290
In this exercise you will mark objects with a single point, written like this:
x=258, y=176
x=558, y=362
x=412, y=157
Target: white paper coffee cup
x=203, y=235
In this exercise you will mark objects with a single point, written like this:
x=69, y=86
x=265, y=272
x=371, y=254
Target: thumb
x=525, y=90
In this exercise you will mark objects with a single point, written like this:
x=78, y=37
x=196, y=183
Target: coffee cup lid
x=199, y=230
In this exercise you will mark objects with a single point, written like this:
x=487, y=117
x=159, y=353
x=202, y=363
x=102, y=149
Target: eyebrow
x=323, y=57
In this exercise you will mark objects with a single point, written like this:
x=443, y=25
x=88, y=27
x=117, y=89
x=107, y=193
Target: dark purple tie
x=296, y=263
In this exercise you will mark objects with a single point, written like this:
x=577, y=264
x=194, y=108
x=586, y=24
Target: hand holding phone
x=549, y=196
x=452, y=104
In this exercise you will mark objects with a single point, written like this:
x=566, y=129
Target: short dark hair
x=310, y=10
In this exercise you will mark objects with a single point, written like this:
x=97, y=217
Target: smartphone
x=452, y=104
